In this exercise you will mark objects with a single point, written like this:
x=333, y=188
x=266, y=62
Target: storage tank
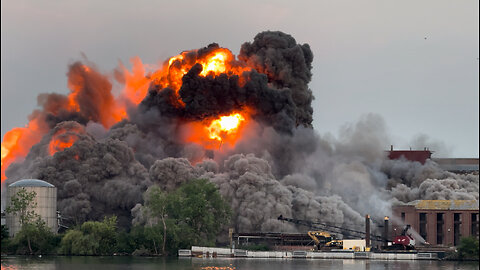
x=46, y=199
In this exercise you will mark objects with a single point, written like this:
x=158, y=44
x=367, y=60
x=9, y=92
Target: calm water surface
x=134, y=263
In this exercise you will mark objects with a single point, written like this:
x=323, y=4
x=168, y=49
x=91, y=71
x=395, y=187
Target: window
x=457, y=223
x=474, y=228
x=423, y=225
x=440, y=226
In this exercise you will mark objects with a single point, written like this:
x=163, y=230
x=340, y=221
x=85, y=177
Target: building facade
x=439, y=222
x=411, y=155
x=458, y=165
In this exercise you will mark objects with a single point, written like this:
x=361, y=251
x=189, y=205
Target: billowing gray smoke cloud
x=419, y=141
x=281, y=166
x=412, y=181
x=256, y=196
x=94, y=178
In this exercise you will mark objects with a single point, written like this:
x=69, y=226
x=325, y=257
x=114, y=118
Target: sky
x=414, y=63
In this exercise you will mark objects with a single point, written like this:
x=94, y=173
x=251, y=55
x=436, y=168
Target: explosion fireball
x=243, y=122
x=225, y=126
x=83, y=80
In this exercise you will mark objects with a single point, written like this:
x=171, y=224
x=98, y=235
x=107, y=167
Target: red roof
x=412, y=155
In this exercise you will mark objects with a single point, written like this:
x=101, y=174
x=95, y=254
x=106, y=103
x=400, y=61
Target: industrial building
x=46, y=203
x=458, y=165
x=439, y=222
x=412, y=155
x=455, y=165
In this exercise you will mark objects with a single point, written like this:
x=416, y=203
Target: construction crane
x=404, y=241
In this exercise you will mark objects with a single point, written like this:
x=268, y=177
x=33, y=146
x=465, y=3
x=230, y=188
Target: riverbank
x=212, y=252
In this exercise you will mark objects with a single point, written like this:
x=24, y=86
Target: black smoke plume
x=280, y=167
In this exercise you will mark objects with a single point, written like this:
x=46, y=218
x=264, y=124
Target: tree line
x=193, y=214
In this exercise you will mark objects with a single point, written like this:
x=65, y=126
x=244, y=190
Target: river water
x=134, y=263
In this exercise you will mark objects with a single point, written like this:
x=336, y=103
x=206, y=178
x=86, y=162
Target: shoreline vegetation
x=139, y=243
x=194, y=214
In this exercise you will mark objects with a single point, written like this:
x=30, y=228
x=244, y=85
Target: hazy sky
x=415, y=63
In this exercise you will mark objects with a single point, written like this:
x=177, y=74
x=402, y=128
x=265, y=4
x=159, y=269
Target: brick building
x=439, y=222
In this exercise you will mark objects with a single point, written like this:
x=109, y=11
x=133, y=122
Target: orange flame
x=224, y=130
x=226, y=125
x=218, y=61
x=62, y=139
x=136, y=82
x=110, y=110
x=17, y=142
x=57, y=145
x=215, y=64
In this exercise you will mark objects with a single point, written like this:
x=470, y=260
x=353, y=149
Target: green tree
x=191, y=215
x=92, y=238
x=34, y=233
x=22, y=204
x=34, y=238
x=70, y=242
x=468, y=248
x=5, y=239
x=125, y=242
x=200, y=207
x=157, y=207
x=147, y=239
x=4, y=233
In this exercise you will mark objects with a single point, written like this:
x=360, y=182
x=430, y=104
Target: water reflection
x=134, y=263
x=217, y=268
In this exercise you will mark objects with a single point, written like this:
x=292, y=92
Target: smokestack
x=385, y=231
x=230, y=236
x=367, y=231
x=391, y=147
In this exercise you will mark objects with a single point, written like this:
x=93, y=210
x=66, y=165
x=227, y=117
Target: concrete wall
x=393, y=256
x=211, y=250
x=202, y=251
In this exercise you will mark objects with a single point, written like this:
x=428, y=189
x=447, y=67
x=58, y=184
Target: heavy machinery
x=324, y=239
x=404, y=241
x=335, y=244
x=328, y=227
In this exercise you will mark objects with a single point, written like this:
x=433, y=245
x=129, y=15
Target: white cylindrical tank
x=46, y=199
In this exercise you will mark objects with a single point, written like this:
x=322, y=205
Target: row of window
x=457, y=226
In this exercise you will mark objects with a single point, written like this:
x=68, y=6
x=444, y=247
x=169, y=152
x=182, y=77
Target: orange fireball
x=17, y=142
x=64, y=138
x=226, y=125
x=212, y=134
x=85, y=81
